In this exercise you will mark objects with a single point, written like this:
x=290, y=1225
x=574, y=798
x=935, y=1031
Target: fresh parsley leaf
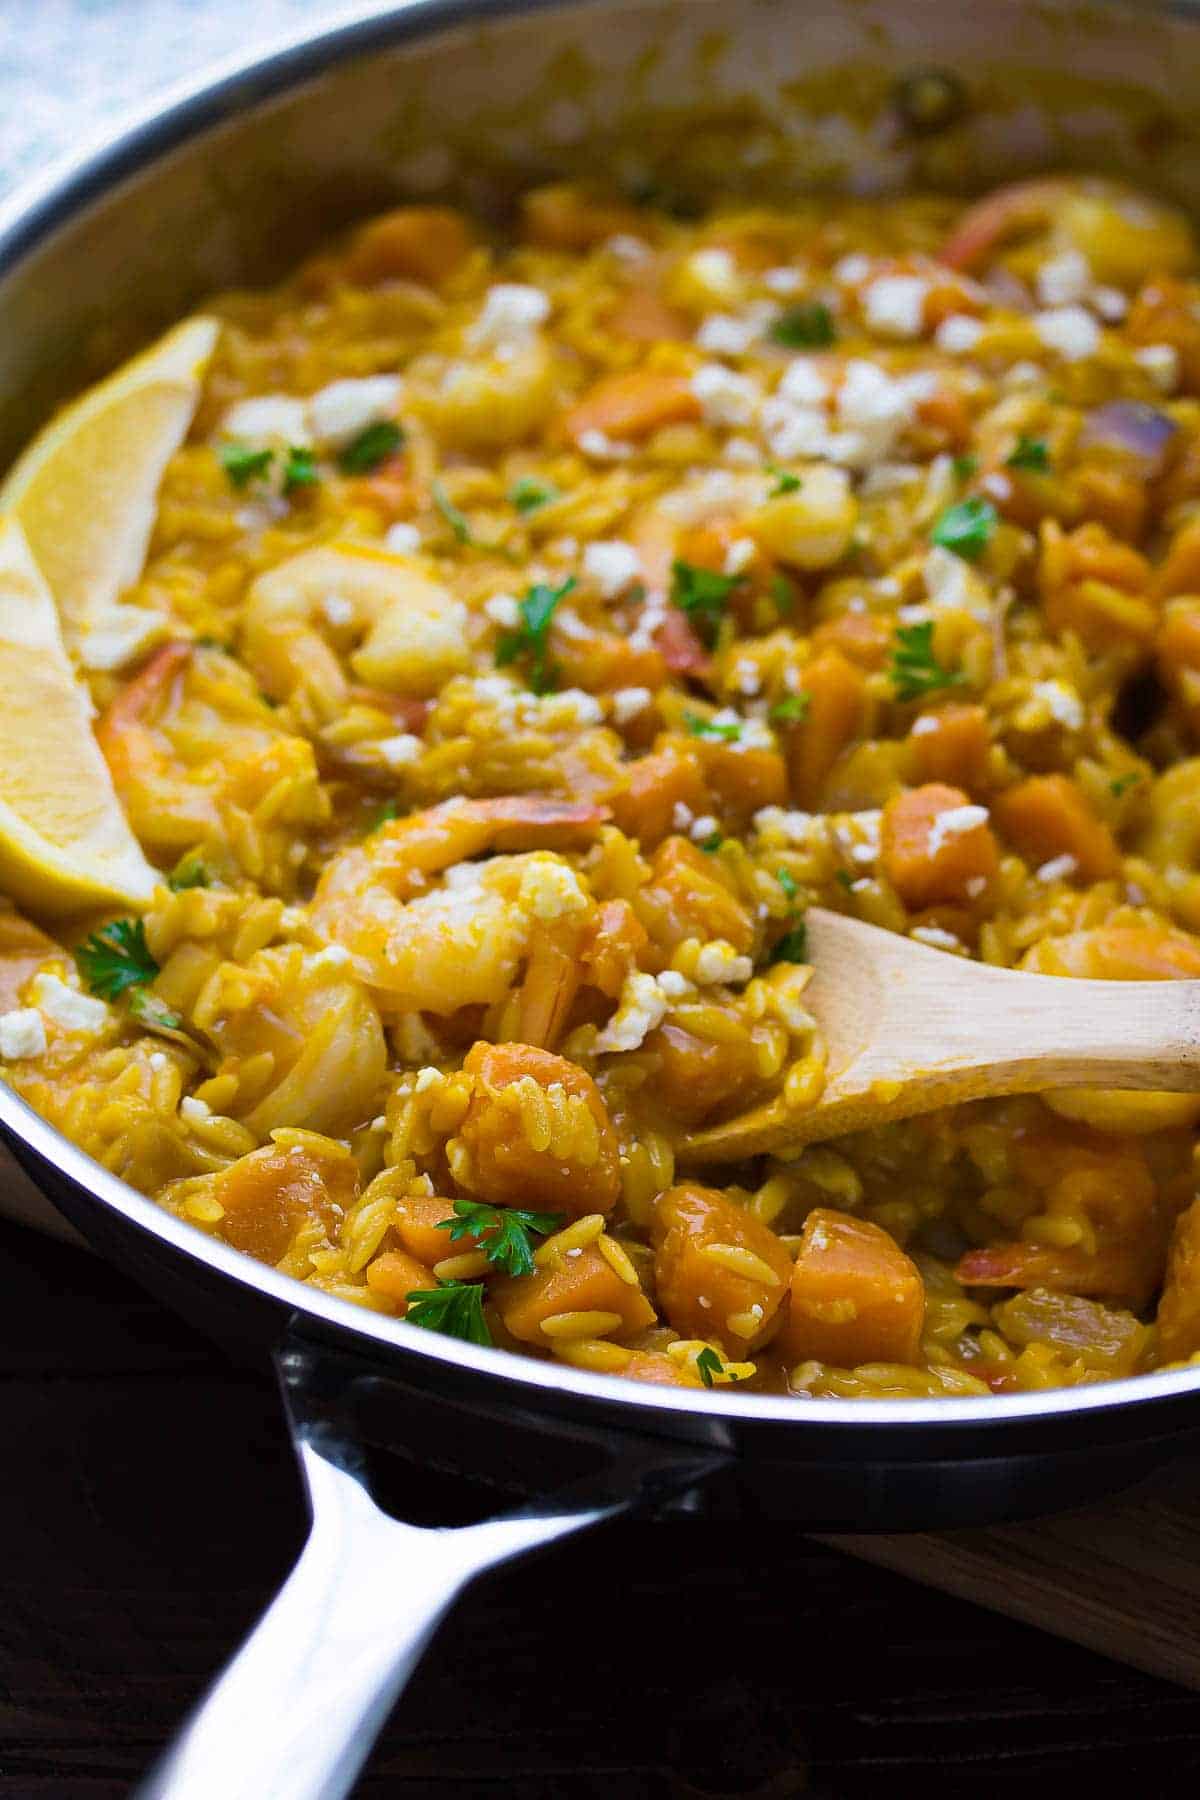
x=914, y=670
x=708, y=1364
x=967, y=528
x=527, y=494
x=530, y=639
x=792, y=946
x=152, y=1012
x=189, y=872
x=1123, y=783
x=712, y=843
x=702, y=594
x=243, y=464
x=455, y=1308
x=787, y=882
x=785, y=481
x=783, y=594
x=373, y=445
x=455, y=519
x=965, y=466
x=845, y=879
x=299, y=468
x=805, y=327
x=791, y=710
x=503, y=1232
x=713, y=730
x=115, y=958
x=383, y=815
x=1030, y=453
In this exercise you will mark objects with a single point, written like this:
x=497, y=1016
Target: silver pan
x=228, y=182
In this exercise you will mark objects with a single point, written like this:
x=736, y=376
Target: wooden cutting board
x=1122, y=1578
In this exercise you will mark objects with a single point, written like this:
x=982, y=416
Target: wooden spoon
x=909, y=1029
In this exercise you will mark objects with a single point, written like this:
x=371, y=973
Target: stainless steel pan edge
x=296, y=1717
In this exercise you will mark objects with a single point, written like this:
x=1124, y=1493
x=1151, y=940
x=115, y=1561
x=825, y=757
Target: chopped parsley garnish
x=115, y=958
x=383, y=815
x=1030, y=453
x=527, y=494
x=530, y=638
x=965, y=466
x=785, y=481
x=805, y=327
x=503, y=1232
x=914, y=670
x=152, y=1012
x=708, y=1364
x=299, y=468
x=243, y=464
x=792, y=946
x=1123, y=783
x=189, y=872
x=782, y=593
x=787, y=882
x=702, y=594
x=845, y=879
x=454, y=517
x=791, y=710
x=455, y=1308
x=967, y=528
x=373, y=445
x=712, y=843
x=714, y=730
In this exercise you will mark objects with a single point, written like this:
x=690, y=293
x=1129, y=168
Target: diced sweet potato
x=837, y=714
x=605, y=661
x=643, y=317
x=417, y=1222
x=862, y=638
x=696, y=1075
x=1118, y=953
x=659, y=1370
x=951, y=745
x=744, y=780
x=654, y=786
x=395, y=1275
x=413, y=243
x=632, y=405
x=270, y=1194
x=536, y=1134
x=1096, y=586
x=686, y=897
x=569, y=215
x=1179, y=1308
x=586, y=1283
x=855, y=1296
x=720, y=1273
x=614, y=940
x=932, y=850
x=1048, y=816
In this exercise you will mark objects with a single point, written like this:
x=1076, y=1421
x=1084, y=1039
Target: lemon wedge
x=64, y=841
x=85, y=491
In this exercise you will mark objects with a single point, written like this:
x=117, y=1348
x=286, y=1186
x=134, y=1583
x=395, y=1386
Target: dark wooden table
x=148, y=1506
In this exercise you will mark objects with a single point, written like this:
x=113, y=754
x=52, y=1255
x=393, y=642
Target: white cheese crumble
x=611, y=564
x=22, y=1033
x=718, y=961
x=268, y=421
x=803, y=383
x=738, y=557
x=628, y=702
x=1059, y=868
x=783, y=281
x=894, y=305
x=703, y=827
x=511, y=314
x=958, y=334
x=402, y=539
x=628, y=249
x=715, y=270
x=935, y=937
x=792, y=827
x=551, y=890
x=601, y=448
x=399, y=751
x=67, y=1007
x=852, y=269
x=503, y=609
x=337, y=609
x=193, y=1110
x=1069, y=330
x=725, y=398
x=674, y=985
x=1063, y=702
x=338, y=413
x=1065, y=279
x=724, y=334
x=1110, y=303
x=642, y=1007
x=947, y=578
x=1161, y=364
x=956, y=821
x=681, y=817
x=427, y=1078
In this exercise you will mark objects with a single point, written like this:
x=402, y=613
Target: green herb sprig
x=914, y=670
x=527, y=495
x=503, y=1232
x=455, y=1308
x=372, y=446
x=455, y=518
x=530, y=640
x=805, y=327
x=702, y=594
x=967, y=528
x=791, y=710
x=1030, y=453
x=713, y=731
x=115, y=958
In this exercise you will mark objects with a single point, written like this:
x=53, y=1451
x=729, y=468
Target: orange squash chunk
x=926, y=861
x=395, y=1275
x=632, y=405
x=744, y=781
x=700, y=1238
x=586, y=1283
x=654, y=786
x=697, y=1075
x=577, y=1171
x=951, y=745
x=414, y=243
x=855, y=1296
x=837, y=714
x=416, y=1225
x=270, y=1194
x=861, y=637
x=1049, y=816
x=568, y=215
x=686, y=897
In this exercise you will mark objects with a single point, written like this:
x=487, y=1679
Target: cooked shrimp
x=165, y=806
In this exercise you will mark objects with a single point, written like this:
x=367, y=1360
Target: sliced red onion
x=1139, y=430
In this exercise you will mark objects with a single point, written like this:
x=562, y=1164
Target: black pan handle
x=296, y=1712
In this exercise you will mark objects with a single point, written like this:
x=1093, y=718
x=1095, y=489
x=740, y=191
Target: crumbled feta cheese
x=511, y=314
x=117, y=634
x=976, y=886
x=550, y=889
x=746, y=675
x=642, y=1007
x=66, y=1006
x=925, y=726
x=715, y=270
x=1024, y=375
x=337, y=609
x=783, y=281
x=803, y=383
x=570, y=710
x=268, y=421
x=193, y=1110
x=22, y=1033
x=947, y=578
x=795, y=431
x=427, y=1078
x=1110, y=303
x=718, y=961
x=723, y=334
x=338, y=413
x=958, y=334
x=954, y=822
x=873, y=407
x=894, y=305
x=889, y=478
x=611, y=565
x=681, y=817
x=739, y=555
x=703, y=827
x=1065, y=279
x=1069, y=330
x=601, y=448
x=852, y=269
x=628, y=702
x=935, y=937
x=1059, y=868
x=402, y=539
x=792, y=827
x=741, y=452
x=158, y=1060
x=1063, y=701
x=674, y=985
x=503, y=609
x=1161, y=363
x=725, y=398
x=399, y=751
x=628, y=249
